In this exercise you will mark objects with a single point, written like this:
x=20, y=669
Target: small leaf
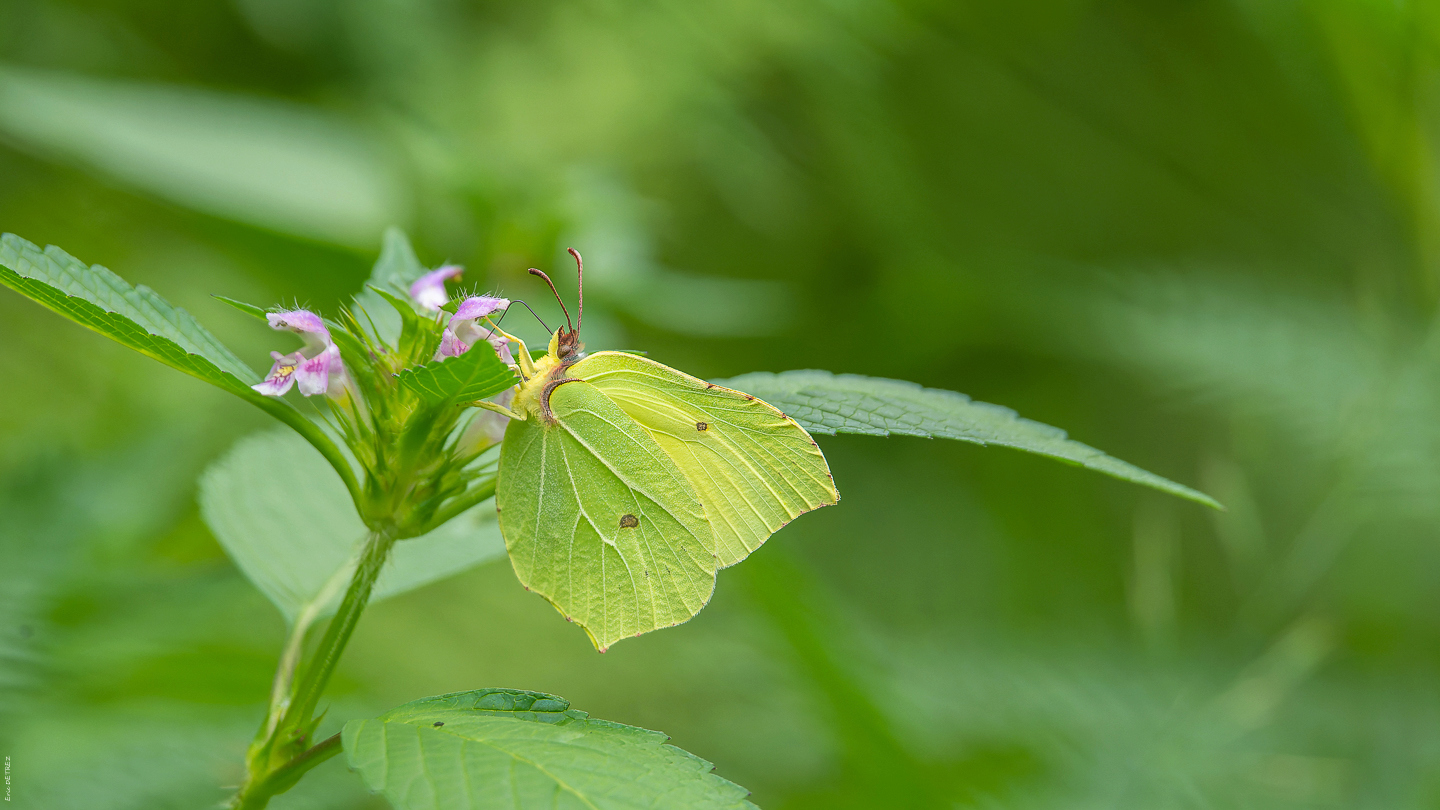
x=504, y=748
x=828, y=403
x=476, y=374
x=286, y=521
x=248, y=309
x=418, y=338
x=398, y=267
x=394, y=272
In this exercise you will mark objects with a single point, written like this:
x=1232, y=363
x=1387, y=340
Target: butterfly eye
x=629, y=521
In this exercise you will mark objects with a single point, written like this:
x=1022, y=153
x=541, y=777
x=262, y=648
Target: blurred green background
x=1202, y=236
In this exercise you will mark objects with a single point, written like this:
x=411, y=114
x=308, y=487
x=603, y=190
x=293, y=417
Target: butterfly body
x=533, y=396
x=625, y=485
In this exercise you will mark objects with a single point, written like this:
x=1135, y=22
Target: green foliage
x=393, y=272
x=828, y=403
x=248, y=309
x=505, y=748
x=136, y=317
x=285, y=519
x=98, y=299
x=278, y=165
x=946, y=192
x=472, y=376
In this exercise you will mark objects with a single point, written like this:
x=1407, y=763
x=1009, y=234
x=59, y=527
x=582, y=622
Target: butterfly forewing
x=754, y=469
x=600, y=521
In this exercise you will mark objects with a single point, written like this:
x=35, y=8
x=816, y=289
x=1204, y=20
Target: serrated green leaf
x=286, y=521
x=827, y=403
x=136, y=317
x=476, y=374
x=505, y=748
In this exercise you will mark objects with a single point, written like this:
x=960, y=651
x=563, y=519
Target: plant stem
x=274, y=763
x=280, y=691
x=317, y=674
x=479, y=492
x=284, y=777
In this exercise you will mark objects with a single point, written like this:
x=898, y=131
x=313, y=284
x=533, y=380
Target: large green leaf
x=135, y=316
x=286, y=521
x=476, y=374
x=96, y=298
x=504, y=748
x=828, y=403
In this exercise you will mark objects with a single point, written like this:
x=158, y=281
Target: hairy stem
x=280, y=691
x=317, y=674
x=278, y=757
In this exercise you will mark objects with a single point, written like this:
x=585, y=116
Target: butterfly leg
x=498, y=408
x=527, y=366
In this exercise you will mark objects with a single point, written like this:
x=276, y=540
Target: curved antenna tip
x=556, y=293
x=579, y=284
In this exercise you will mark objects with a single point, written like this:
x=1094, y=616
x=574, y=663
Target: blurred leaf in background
x=1201, y=236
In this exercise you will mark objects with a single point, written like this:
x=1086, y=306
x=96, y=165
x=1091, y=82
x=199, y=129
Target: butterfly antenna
x=496, y=324
x=532, y=312
x=580, y=285
x=555, y=293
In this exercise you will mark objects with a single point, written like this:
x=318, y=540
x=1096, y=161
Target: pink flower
x=429, y=290
x=464, y=331
x=312, y=367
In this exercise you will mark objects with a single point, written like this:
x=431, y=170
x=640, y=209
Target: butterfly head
x=565, y=344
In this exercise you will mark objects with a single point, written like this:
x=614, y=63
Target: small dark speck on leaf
x=629, y=521
x=439, y=723
x=701, y=426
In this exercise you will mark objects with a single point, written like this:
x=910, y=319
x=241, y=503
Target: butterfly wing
x=599, y=521
x=754, y=469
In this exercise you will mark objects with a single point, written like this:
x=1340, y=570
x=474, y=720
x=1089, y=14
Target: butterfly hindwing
x=600, y=521
x=753, y=467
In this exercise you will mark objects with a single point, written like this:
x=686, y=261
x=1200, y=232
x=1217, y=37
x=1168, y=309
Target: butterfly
x=625, y=485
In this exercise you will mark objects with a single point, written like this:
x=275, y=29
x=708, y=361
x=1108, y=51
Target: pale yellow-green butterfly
x=625, y=484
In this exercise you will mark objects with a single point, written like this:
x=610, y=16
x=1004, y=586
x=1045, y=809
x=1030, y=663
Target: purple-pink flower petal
x=282, y=374
x=313, y=375
x=299, y=321
x=464, y=331
x=429, y=290
x=450, y=345
x=478, y=306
